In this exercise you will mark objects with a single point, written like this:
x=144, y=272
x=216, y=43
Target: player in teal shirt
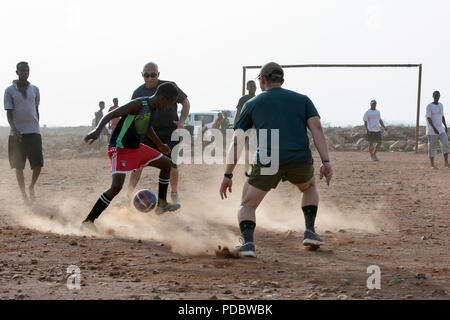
x=291, y=114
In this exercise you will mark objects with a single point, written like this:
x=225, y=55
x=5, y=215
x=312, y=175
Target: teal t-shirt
x=288, y=111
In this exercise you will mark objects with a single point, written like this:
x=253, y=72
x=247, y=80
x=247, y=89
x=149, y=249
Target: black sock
x=247, y=228
x=162, y=189
x=310, y=213
x=100, y=206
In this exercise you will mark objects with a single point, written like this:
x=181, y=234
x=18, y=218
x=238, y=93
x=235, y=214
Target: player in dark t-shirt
x=166, y=123
x=251, y=87
x=126, y=151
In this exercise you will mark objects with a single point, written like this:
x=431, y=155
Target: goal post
x=419, y=85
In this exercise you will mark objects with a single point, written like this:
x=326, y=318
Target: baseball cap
x=273, y=70
x=373, y=101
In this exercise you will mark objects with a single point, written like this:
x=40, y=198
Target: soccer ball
x=144, y=200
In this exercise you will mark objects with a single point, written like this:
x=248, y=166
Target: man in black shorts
x=21, y=104
x=165, y=124
x=372, y=122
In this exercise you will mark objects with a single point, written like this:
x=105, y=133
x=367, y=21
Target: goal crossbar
x=419, y=85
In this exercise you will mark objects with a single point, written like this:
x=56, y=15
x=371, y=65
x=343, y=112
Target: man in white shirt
x=437, y=129
x=372, y=122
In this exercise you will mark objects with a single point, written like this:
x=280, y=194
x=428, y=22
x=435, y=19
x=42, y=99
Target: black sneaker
x=310, y=238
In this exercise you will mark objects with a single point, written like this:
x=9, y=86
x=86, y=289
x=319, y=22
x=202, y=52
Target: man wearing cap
x=291, y=113
x=372, y=122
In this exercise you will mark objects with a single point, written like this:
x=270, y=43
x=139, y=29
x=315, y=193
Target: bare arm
x=154, y=137
x=382, y=124
x=184, y=113
x=233, y=155
x=320, y=142
x=131, y=107
x=365, y=124
x=432, y=125
x=37, y=111
x=236, y=118
x=10, y=116
x=445, y=124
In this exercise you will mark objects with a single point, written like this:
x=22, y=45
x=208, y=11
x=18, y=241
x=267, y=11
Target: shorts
x=166, y=140
x=296, y=176
x=127, y=160
x=30, y=147
x=374, y=136
x=433, y=143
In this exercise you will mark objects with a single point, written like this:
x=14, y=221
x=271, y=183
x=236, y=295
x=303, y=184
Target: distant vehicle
x=194, y=119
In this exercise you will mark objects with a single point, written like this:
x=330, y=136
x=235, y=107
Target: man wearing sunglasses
x=165, y=124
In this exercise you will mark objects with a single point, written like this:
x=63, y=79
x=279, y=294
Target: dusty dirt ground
x=372, y=214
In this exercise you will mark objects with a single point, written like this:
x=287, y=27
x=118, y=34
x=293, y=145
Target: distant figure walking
x=372, y=122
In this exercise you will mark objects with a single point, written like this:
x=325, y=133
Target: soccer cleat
x=310, y=238
x=88, y=225
x=247, y=250
x=175, y=198
x=164, y=207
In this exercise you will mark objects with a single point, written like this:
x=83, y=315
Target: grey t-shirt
x=24, y=108
x=243, y=100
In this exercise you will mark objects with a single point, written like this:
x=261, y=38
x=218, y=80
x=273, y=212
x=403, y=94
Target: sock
x=310, y=213
x=162, y=188
x=100, y=206
x=247, y=228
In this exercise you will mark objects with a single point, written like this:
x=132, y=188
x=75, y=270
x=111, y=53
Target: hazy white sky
x=81, y=52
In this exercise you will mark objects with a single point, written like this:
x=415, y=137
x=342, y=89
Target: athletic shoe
x=375, y=158
x=310, y=238
x=175, y=198
x=372, y=157
x=247, y=250
x=123, y=203
x=88, y=225
x=167, y=207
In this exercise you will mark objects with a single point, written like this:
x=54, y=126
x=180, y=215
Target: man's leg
x=310, y=202
x=104, y=200
x=432, y=141
x=377, y=148
x=251, y=198
x=134, y=179
x=21, y=181
x=164, y=164
x=33, y=147
x=371, y=149
x=174, y=180
x=34, y=178
x=444, y=147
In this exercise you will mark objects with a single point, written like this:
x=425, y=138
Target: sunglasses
x=152, y=75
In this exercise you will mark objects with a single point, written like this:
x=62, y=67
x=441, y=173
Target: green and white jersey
x=132, y=128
